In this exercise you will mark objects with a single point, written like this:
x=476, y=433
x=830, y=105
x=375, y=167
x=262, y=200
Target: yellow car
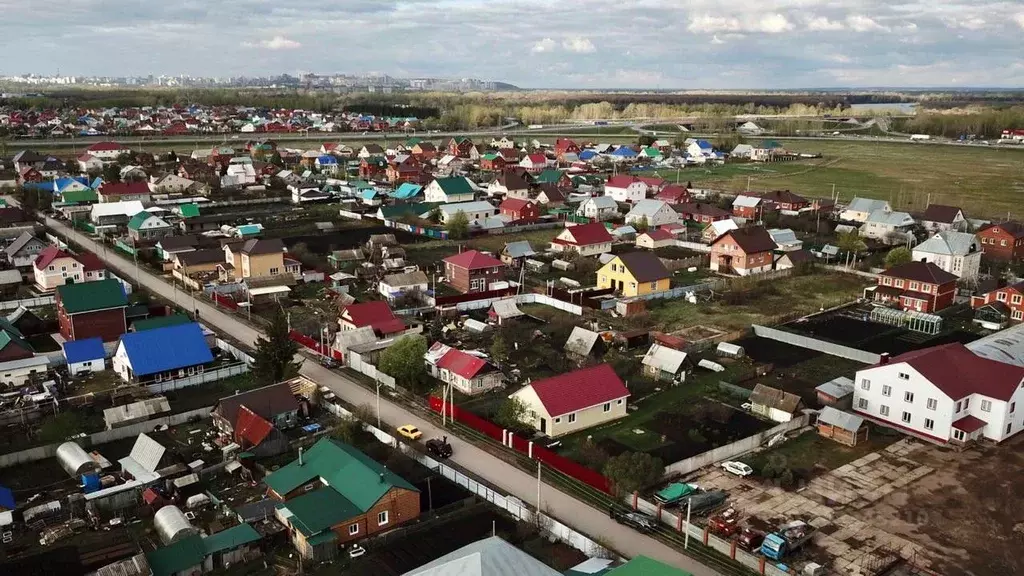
x=409, y=431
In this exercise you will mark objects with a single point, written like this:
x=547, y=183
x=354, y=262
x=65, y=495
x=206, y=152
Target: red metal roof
x=90, y=262
x=673, y=192
x=514, y=204
x=621, y=181
x=580, y=389
x=104, y=147
x=473, y=260
x=250, y=428
x=368, y=314
x=537, y=158
x=463, y=364
x=48, y=255
x=958, y=372
x=660, y=234
x=123, y=188
x=652, y=180
x=587, y=234
x=969, y=424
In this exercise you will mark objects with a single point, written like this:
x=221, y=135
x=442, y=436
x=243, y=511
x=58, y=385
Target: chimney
x=883, y=358
x=300, y=455
x=381, y=477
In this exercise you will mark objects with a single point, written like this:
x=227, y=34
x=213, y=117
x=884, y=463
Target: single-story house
x=773, y=403
x=162, y=354
x=467, y=373
x=574, y=401
x=84, y=355
x=837, y=393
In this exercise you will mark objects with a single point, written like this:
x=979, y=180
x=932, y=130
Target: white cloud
x=1019, y=18
x=822, y=24
x=579, y=45
x=861, y=23
x=774, y=23
x=275, y=43
x=545, y=45
x=716, y=40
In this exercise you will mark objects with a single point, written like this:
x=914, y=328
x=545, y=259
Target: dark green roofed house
x=160, y=322
x=196, y=554
x=644, y=566
x=557, y=177
x=448, y=190
x=91, y=309
x=84, y=196
x=333, y=494
x=145, y=226
x=190, y=210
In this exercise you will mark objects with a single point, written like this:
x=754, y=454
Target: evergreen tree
x=275, y=352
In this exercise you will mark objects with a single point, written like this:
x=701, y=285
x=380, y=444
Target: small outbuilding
x=843, y=427
x=84, y=356
x=773, y=403
x=837, y=393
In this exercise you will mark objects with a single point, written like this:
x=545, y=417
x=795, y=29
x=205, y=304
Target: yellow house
x=574, y=401
x=634, y=274
x=255, y=258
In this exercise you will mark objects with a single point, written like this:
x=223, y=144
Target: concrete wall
x=367, y=369
x=817, y=345
x=27, y=302
x=735, y=449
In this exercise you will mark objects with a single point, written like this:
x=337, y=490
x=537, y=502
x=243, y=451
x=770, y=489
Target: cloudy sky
x=533, y=43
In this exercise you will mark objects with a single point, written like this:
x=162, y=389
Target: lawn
x=433, y=251
x=811, y=455
x=778, y=297
x=983, y=181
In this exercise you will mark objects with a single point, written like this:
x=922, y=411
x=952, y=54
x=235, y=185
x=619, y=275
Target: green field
x=986, y=182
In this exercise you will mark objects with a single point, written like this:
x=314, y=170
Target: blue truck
x=787, y=539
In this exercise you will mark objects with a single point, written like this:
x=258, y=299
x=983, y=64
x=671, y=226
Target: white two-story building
x=946, y=394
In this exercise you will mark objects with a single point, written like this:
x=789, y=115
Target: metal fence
x=197, y=379
x=810, y=343
x=27, y=302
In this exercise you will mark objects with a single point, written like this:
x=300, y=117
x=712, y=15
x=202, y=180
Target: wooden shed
x=843, y=427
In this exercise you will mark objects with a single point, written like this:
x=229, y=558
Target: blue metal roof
x=704, y=144
x=84, y=350
x=61, y=183
x=587, y=154
x=164, y=349
x=407, y=190
x=327, y=159
x=6, y=498
x=624, y=151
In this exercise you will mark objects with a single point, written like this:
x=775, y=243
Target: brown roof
x=263, y=246
x=921, y=272
x=197, y=257
x=774, y=398
x=551, y=191
x=644, y=266
x=1011, y=227
x=169, y=243
x=940, y=213
x=798, y=256
x=266, y=402
x=512, y=181
x=784, y=196
x=751, y=240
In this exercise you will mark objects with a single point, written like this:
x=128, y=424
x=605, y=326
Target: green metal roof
x=190, y=210
x=549, y=176
x=651, y=151
x=230, y=538
x=76, y=196
x=322, y=538
x=319, y=510
x=160, y=322
x=489, y=156
x=644, y=566
x=138, y=220
x=89, y=296
x=354, y=475
x=8, y=337
x=413, y=141
x=455, y=185
x=181, y=555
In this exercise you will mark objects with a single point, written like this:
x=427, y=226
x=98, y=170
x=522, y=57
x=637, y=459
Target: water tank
x=76, y=461
x=172, y=525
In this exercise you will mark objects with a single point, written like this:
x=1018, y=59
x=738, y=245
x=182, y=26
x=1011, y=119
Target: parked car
x=635, y=520
x=439, y=448
x=750, y=539
x=356, y=551
x=409, y=431
x=737, y=468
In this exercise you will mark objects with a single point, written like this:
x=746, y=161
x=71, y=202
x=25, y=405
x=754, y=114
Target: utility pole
x=538, y=490
x=686, y=540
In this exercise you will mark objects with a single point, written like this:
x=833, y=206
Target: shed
x=505, y=309
x=172, y=525
x=837, y=393
x=581, y=342
x=665, y=364
x=85, y=356
x=773, y=403
x=842, y=427
x=75, y=460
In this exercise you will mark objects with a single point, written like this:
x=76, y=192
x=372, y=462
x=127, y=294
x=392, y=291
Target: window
x=1013, y=405
x=904, y=376
x=1017, y=315
x=908, y=397
x=654, y=285
x=929, y=424
x=52, y=268
x=274, y=271
x=906, y=417
x=886, y=390
x=959, y=406
x=63, y=268
x=619, y=403
x=958, y=435
x=607, y=407
x=914, y=286
x=558, y=420
x=932, y=403
x=967, y=403
x=862, y=404
x=1009, y=427
x=353, y=529
x=572, y=418
x=1017, y=299
x=1002, y=242
x=986, y=406
x=382, y=518
x=883, y=410
x=1001, y=296
x=899, y=283
x=865, y=384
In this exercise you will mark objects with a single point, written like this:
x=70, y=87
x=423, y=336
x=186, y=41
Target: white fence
x=355, y=362
x=48, y=451
x=817, y=345
x=197, y=379
x=28, y=302
x=528, y=298
x=350, y=215
x=734, y=449
x=235, y=351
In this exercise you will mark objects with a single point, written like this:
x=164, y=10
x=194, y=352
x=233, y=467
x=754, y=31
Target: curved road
x=495, y=471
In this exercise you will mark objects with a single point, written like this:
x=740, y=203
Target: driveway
x=493, y=470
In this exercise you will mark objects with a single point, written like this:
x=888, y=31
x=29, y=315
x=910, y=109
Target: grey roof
x=950, y=243
x=1006, y=346
x=10, y=277
x=646, y=207
x=664, y=358
x=467, y=207
x=346, y=339
x=783, y=236
x=774, y=398
x=406, y=279
x=506, y=308
x=489, y=557
x=840, y=419
x=867, y=205
x=19, y=243
x=837, y=388
x=890, y=218
x=845, y=229
x=604, y=202
x=519, y=249
x=581, y=341
x=746, y=201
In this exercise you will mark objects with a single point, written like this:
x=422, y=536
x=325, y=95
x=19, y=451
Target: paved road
x=523, y=485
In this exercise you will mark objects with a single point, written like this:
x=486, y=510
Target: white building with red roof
x=626, y=188
x=534, y=163
x=54, y=267
x=106, y=151
x=467, y=373
x=945, y=394
x=587, y=239
x=574, y=401
x=377, y=315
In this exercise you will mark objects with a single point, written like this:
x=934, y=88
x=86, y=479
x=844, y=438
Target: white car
x=356, y=551
x=737, y=468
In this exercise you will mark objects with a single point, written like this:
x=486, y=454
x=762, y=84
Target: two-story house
x=625, y=188
x=859, y=209
x=958, y=253
x=1003, y=241
x=106, y=151
x=945, y=394
x=888, y=226
x=23, y=252
x=534, y=163
x=467, y=373
x=517, y=209
x=751, y=207
x=995, y=308
x=915, y=286
x=652, y=212
x=92, y=309
x=145, y=227
x=254, y=258
x=940, y=218
x=53, y=267
x=634, y=274
x=449, y=189
x=743, y=251
x=586, y=239
x=124, y=192
x=510, y=185
x=574, y=401
x=786, y=200
x=473, y=271
x=598, y=208
x=701, y=212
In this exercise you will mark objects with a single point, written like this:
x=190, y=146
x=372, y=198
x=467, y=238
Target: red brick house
x=674, y=194
x=460, y=146
x=744, y=251
x=1008, y=300
x=786, y=200
x=701, y=212
x=493, y=161
x=1003, y=241
x=92, y=309
x=519, y=209
x=373, y=168
x=915, y=286
x=406, y=169
x=473, y=271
